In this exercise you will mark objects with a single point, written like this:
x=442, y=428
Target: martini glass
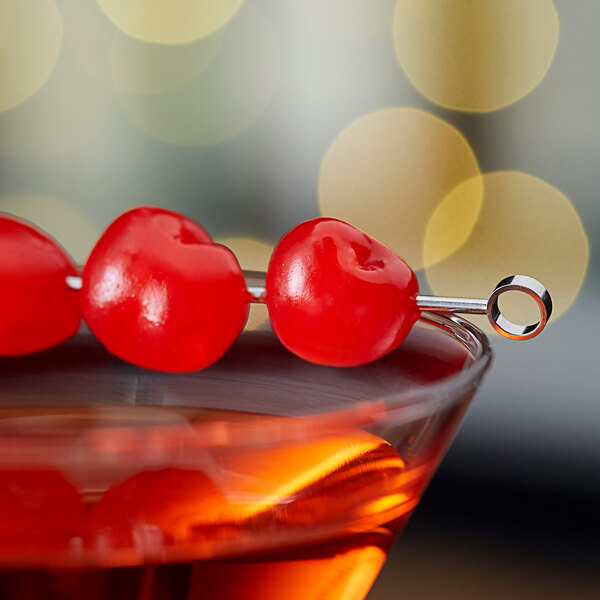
x=261, y=477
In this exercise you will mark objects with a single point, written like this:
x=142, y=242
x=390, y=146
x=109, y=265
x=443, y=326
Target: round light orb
x=227, y=97
x=30, y=40
x=387, y=172
x=128, y=64
x=69, y=111
x=525, y=227
x=172, y=21
x=475, y=55
x=452, y=221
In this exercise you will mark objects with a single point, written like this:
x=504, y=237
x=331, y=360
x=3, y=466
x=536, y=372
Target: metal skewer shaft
x=471, y=306
x=474, y=306
x=255, y=281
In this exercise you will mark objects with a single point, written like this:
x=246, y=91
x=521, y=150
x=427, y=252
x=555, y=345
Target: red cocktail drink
x=262, y=477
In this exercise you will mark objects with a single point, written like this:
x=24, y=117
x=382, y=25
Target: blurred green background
x=464, y=134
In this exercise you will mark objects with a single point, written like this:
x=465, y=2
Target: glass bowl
x=263, y=476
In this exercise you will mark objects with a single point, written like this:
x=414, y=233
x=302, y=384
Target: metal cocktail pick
x=474, y=306
x=441, y=304
x=520, y=283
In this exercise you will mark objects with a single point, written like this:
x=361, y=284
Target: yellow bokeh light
x=346, y=19
x=453, y=221
x=72, y=229
x=253, y=255
x=150, y=69
x=230, y=95
x=172, y=21
x=67, y=112
x=388, y=171
x=128, y=64
x=30, y=40
x=525, y=227
x=475, y=55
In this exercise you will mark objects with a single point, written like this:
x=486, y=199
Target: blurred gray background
x=232, y=129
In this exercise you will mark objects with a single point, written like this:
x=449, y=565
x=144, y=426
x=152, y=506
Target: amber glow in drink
x=306, y=519
x=262, y=477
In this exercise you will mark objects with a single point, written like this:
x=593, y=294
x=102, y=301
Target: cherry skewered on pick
x=37, y=309
x=158, y=293
x=336, y=296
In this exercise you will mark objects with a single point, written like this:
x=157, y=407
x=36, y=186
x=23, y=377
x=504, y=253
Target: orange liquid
x=301, y=520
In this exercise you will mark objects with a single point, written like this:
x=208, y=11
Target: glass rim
x=159, y=441
x=443, y=391
x=428, y=398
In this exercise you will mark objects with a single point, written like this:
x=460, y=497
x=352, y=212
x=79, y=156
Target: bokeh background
x=464, y=134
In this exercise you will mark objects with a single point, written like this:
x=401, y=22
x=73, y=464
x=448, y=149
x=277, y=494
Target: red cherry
x=37, y=308
x=40, y=510
x=152, y=508
x=338, y=297
x=158, y=293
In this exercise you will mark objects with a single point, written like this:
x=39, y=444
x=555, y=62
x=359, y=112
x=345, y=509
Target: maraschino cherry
x=37, y=309
x=336, y=296
x=158, y=293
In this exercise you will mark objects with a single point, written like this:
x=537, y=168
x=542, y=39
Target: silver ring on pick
x=533, y=288
x=521, y=283
x=441, y=304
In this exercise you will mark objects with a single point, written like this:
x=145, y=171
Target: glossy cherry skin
x=167, y=506
x=40, y=511
x=336, y=296
x=158, y=293
x=37, y=308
